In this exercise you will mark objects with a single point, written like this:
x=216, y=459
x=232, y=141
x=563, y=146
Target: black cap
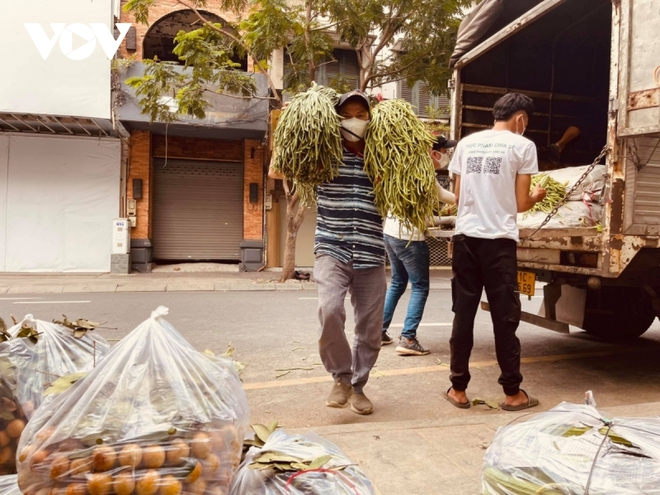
x=356, y=93
x=443, y=142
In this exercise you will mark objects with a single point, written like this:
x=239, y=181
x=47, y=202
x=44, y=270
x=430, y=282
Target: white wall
x=58, y=85
x=4, y=171
x=63, y=193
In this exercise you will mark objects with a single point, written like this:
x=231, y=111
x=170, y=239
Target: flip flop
x=455, y=403
x=531, y=402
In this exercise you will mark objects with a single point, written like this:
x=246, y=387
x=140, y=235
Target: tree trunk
x=295, y=214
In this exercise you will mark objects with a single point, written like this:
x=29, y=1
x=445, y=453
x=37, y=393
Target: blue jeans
x=408, y=262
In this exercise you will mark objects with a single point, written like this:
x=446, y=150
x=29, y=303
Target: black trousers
x=490, y=264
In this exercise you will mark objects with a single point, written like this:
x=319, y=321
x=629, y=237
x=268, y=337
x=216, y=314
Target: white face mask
x=522, y=122
x=357, y=128
x=444, y=160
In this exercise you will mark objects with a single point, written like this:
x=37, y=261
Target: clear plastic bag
x=559, y=451
x=155, y=416
x=12, y=424
x=337, y=476
x=29, y=368
x=9, y=485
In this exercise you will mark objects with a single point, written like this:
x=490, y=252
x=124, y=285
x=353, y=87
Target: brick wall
x=159, y=10
x=253, y=219
x=140, y=168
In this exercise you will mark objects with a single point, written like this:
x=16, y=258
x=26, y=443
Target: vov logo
x=91, y=33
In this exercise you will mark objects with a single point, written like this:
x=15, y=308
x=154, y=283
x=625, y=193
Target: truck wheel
x=618, y=313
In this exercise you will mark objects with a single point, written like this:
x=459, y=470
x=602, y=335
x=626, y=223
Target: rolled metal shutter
x=198, y=210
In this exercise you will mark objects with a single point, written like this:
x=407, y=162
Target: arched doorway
x=159, y=40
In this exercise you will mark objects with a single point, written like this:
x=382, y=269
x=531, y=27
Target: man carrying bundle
x=350, y=257
x=410, y=260
x=493, y=172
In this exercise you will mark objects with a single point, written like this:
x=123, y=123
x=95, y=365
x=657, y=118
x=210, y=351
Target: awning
x=50, y=124
x=227, y=117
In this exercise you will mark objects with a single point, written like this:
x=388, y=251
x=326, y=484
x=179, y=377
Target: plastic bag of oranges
x=12, y=424
x=40, y=353
x=154, y=417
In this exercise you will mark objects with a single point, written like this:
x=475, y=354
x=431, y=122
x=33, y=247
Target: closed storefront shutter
x=198, y=210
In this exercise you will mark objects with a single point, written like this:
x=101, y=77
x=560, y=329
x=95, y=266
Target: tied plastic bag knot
x=28, y=319
x=159, y=312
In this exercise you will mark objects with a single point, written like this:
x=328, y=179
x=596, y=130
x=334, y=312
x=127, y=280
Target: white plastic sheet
x=154, y=413
x=566, y=448
x=9, y=485
x=62, y=196
x=573, y=214
x=590, y=189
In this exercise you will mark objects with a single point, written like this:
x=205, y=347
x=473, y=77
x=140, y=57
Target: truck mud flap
x=555, y=326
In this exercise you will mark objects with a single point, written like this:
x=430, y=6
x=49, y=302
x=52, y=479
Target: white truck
x=593, y=64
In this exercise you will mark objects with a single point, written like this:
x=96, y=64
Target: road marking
x=400, y=325
x=431, y=369
x=52, y=302
x=19, y=298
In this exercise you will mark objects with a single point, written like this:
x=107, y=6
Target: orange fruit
x=59, y=466
x=4, y=438
x=197, y=488
x=194, y=474
x=7, y=454
x=148, y=483
x=169, y=485
x=99, y=484
x=45, y=433
x=76, y=489
x=80, y=466
x=153, y=456
x=15, y=428
x=124, y=483
x=217, y=441
x=210, y=465
x=26, y=452
x=39, y=457
x=104, y=458
x=177, y=452
x=130, y=455
x=201, y=445
x=70, y=445
x=214, y=490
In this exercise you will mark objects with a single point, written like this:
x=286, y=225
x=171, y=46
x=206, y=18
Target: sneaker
x=386, y=339
x=360, y=404
x=411, y=347
x=339, y=395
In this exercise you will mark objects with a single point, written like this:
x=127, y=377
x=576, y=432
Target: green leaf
x=63, y=384
x=262, y=432
x=320, y=462
x=6, y=415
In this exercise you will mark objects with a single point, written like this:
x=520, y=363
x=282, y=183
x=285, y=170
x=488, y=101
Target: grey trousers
x=367, y=288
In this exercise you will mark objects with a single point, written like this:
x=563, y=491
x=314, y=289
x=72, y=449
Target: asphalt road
x=278, y=330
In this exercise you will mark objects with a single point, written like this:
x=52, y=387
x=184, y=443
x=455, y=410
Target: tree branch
x=397, y=71
x=235, y=38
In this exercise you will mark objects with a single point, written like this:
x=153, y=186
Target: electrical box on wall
x=269, y=202
x=121, y=236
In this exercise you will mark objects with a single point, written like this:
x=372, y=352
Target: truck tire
x=618, y=313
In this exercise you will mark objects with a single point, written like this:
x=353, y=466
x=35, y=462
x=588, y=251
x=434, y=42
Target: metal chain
x=554, y=211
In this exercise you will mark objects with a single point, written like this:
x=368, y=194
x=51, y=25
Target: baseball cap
x=356, y=93
x=443, y=142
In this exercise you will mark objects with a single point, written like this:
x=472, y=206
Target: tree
x=421, y=32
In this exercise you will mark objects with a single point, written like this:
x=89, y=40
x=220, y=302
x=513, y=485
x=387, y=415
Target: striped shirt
x=349, y=226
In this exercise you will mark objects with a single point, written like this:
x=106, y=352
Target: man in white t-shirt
x=493, y=171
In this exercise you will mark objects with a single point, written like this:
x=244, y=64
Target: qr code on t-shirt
x=493, y=164
x=474, y=164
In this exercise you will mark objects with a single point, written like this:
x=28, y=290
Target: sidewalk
x=27, y=283
x=441, y=457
